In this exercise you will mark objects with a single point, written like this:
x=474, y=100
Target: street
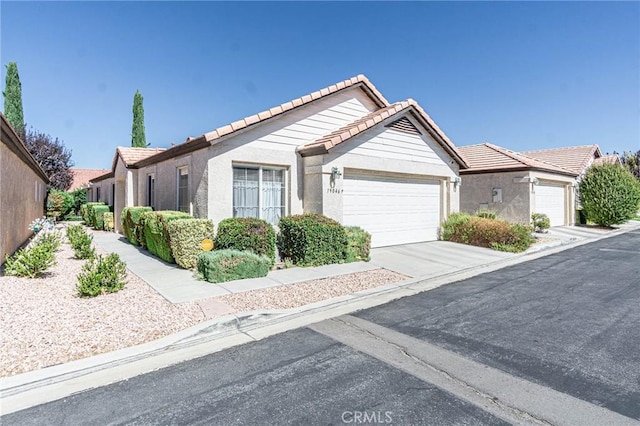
x=550, y=341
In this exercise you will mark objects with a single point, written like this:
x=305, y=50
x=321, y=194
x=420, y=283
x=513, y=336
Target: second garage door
x=550, y=200
x=394, y=210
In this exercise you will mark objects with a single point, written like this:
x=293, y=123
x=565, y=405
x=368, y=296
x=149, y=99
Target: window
x=98, y=193
x=183, y=189
x=259, y=192
x=113, y=194
x=151, y=191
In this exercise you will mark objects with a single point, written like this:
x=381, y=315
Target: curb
x=51, y=383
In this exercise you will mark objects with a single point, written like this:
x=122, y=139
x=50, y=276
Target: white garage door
x=550, y=201
x=394, y=210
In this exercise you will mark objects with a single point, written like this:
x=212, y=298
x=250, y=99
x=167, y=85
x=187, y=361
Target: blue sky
x=523, y=75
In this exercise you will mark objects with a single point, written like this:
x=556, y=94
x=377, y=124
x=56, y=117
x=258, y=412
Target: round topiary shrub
x=609, y=194
x=246, y=233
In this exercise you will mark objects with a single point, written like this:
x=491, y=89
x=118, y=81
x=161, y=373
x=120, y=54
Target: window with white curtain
x=183, y=189
x=259, y=192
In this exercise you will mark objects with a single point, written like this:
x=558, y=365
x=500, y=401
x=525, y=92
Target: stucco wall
x=516, y=194
x=22, y=194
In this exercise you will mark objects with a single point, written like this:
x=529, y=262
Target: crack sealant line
x=514, y=398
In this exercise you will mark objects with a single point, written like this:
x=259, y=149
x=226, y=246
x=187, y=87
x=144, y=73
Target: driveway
x=551, y=340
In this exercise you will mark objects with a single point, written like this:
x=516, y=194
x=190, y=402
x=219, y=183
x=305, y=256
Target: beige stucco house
x=516, y=184
x=343, y=151
x=23, y=187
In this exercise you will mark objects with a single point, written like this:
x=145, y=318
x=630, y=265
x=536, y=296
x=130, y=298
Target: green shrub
x=131, y=226
x=80, y=242
x=186, y=236
x=247, y=234
x=312, y=239
x=156, y=234
x=79, y=198
x=491, y=233
x=97, y=216
x=73, y=218
x=358, y=244
x=108, y=221
x=59, y=203
x=452, y=226
x=30, y=262
x=101, y=275
x=609, y=194
x=540, y=222
x=50, y=238
x=487, y=214
x=228, y=265
x=74, y=231
x=84, y=211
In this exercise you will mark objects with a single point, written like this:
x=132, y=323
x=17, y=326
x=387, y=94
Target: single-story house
x=23, y=188
x=81, y=177
x=515, y=185
x=343, y=151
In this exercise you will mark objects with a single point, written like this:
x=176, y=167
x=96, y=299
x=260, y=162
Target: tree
x=610, y=195
x=13, y=98
x=137, y=132
x=631, y=160
x=52, y=156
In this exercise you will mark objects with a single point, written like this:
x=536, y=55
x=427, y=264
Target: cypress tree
x=137, y=132
x=13, y=98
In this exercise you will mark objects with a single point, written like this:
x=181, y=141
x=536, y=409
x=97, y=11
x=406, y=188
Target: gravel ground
x=291, y=296
x=44, y=323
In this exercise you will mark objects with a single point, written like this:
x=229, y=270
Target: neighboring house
x=81, y=177
x=514, y=185
x=608, y=159
x=343, y=151
x=23, y=187
x=574, y=158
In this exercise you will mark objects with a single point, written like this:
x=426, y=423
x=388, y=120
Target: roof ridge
x=562, y=147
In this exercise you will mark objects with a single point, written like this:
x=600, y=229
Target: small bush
x=51, y=238
x=101, y=275
x=156, y=234
x=247, y=234
x=491, y=233
x=97, y=216
x=228, y=265
x=74, y=231
x=30, y=262
x=85, y=211
x=72, y=218
x=132, y=227
x=79, y=198
x=358, y=244
x=108, y=221
x=80, y=242
x=487, y=214
x=186, y=236
x=59, y=203
x=610, y=194
x=540, y=222
x=312, y=239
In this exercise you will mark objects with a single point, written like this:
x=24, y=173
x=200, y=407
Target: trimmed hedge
x=185, y=238
x=228, y=265
x=358, y=244
x=483, y=232
x=312, y=239
x=84, y=210
x=250, y=234
x=156, y=234
x=96, y=214
x=131, y=224
x=109, y=221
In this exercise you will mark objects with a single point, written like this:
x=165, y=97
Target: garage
x=394, y=209
x=550, y=200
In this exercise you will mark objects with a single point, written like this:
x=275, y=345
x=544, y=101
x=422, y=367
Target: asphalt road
x=554, y=340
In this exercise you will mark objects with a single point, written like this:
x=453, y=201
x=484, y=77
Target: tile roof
x=327, y=142
x=131, y=155
x=492, y=158
x=81, y=177
x=608, y=159
x=192, y=144
x=574, y=158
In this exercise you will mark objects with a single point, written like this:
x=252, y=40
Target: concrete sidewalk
x=420, y=260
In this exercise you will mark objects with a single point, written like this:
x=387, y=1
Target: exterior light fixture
x=457, y=181
x=335, y=173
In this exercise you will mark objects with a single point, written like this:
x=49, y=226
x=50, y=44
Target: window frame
x=178, y=175
x=260, y=168
x=151, y=190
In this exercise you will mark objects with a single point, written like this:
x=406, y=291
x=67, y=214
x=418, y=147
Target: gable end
x=404, y=125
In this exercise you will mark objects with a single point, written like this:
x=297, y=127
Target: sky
x=522, y=75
